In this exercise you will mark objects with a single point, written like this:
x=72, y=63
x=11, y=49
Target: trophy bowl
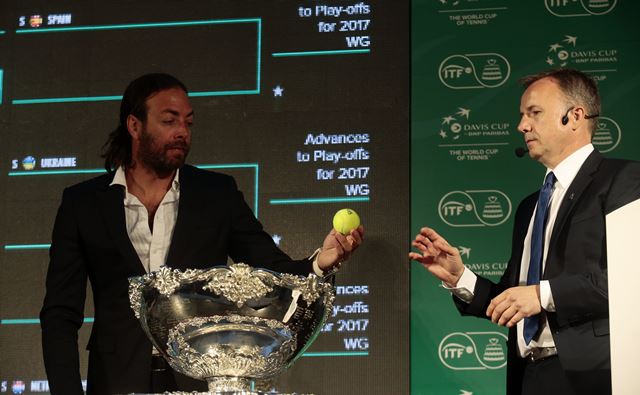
x=236, y=327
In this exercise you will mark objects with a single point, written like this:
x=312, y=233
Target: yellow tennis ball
x=345, y=221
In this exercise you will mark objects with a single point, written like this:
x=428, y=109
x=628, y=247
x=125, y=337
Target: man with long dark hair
x=150, y=210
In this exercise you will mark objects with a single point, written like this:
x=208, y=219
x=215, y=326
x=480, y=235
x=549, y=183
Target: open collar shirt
x=151, y=245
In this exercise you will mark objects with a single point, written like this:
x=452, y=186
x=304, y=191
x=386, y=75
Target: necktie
x=531, y=324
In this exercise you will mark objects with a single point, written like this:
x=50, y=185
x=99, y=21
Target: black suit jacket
x=90, y=241
x=576, y=268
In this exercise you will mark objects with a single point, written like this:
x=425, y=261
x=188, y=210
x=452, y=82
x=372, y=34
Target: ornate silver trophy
x=234, y=326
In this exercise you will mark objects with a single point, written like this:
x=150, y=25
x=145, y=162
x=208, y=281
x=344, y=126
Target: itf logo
x=473, y=350
x=474, y=208
x=471, y=71
x=570, y=8
x=607, y=135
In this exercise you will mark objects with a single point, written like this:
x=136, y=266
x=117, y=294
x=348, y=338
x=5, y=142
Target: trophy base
x=235, y=386
x=232, y=393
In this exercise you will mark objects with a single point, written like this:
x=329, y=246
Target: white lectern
x=623, y=245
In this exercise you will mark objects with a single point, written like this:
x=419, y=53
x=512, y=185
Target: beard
x=159, y=158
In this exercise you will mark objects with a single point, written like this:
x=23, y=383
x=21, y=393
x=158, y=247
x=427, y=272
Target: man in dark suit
x=150, y=210
x=553, y=294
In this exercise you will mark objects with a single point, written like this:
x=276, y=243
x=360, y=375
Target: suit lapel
x=580, y=182
x=189, y=211
x=520, y=233
x=113, y=213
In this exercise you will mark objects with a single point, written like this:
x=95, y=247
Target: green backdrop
x=467, y=57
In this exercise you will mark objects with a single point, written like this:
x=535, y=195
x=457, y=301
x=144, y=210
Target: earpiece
x=565, y=118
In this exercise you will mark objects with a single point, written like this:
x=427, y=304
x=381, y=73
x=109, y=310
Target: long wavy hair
x=117, y=150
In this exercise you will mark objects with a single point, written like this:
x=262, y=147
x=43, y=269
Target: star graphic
x=570, y=39
x=276, y=239
x=464, y=251
x=443, y=134
x=278, y=91
x=464, y=112
x=554, y=47
x=550, y=61
x=447, y=119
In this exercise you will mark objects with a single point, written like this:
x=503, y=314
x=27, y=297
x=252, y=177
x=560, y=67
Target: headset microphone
x=565, y=118
x=520, y=151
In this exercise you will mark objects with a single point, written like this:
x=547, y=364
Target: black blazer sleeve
x=251, y=244
x=215, y=222
x=485, y=290
x=62, y=311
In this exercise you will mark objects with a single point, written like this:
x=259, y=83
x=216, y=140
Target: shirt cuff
x=546, y=298
x=463, y=290
x=316, y=268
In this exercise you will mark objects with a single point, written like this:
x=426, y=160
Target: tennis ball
x=345, y=221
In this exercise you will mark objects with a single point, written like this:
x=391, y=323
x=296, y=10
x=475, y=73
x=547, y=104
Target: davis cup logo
x=474, y=208
x=457, y=126
x=570, y=8
x=468, y=135
x=559, y=52
x=607, y=135
x=472, y=71
x=451, y=123
x=473, y=350
x=567, y=52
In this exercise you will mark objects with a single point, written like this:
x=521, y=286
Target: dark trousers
x=163, y=378
x=546, y=377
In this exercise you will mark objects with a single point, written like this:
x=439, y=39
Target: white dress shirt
x=152, y=245
x=565, y=172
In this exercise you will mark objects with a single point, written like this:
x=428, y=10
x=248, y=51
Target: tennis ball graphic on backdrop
x=345, y=221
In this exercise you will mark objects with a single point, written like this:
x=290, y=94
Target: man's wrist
x=455, y=279
x=463, y=289
x=318, y=270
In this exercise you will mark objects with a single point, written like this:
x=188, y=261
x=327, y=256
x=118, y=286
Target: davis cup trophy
x=234, y=326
